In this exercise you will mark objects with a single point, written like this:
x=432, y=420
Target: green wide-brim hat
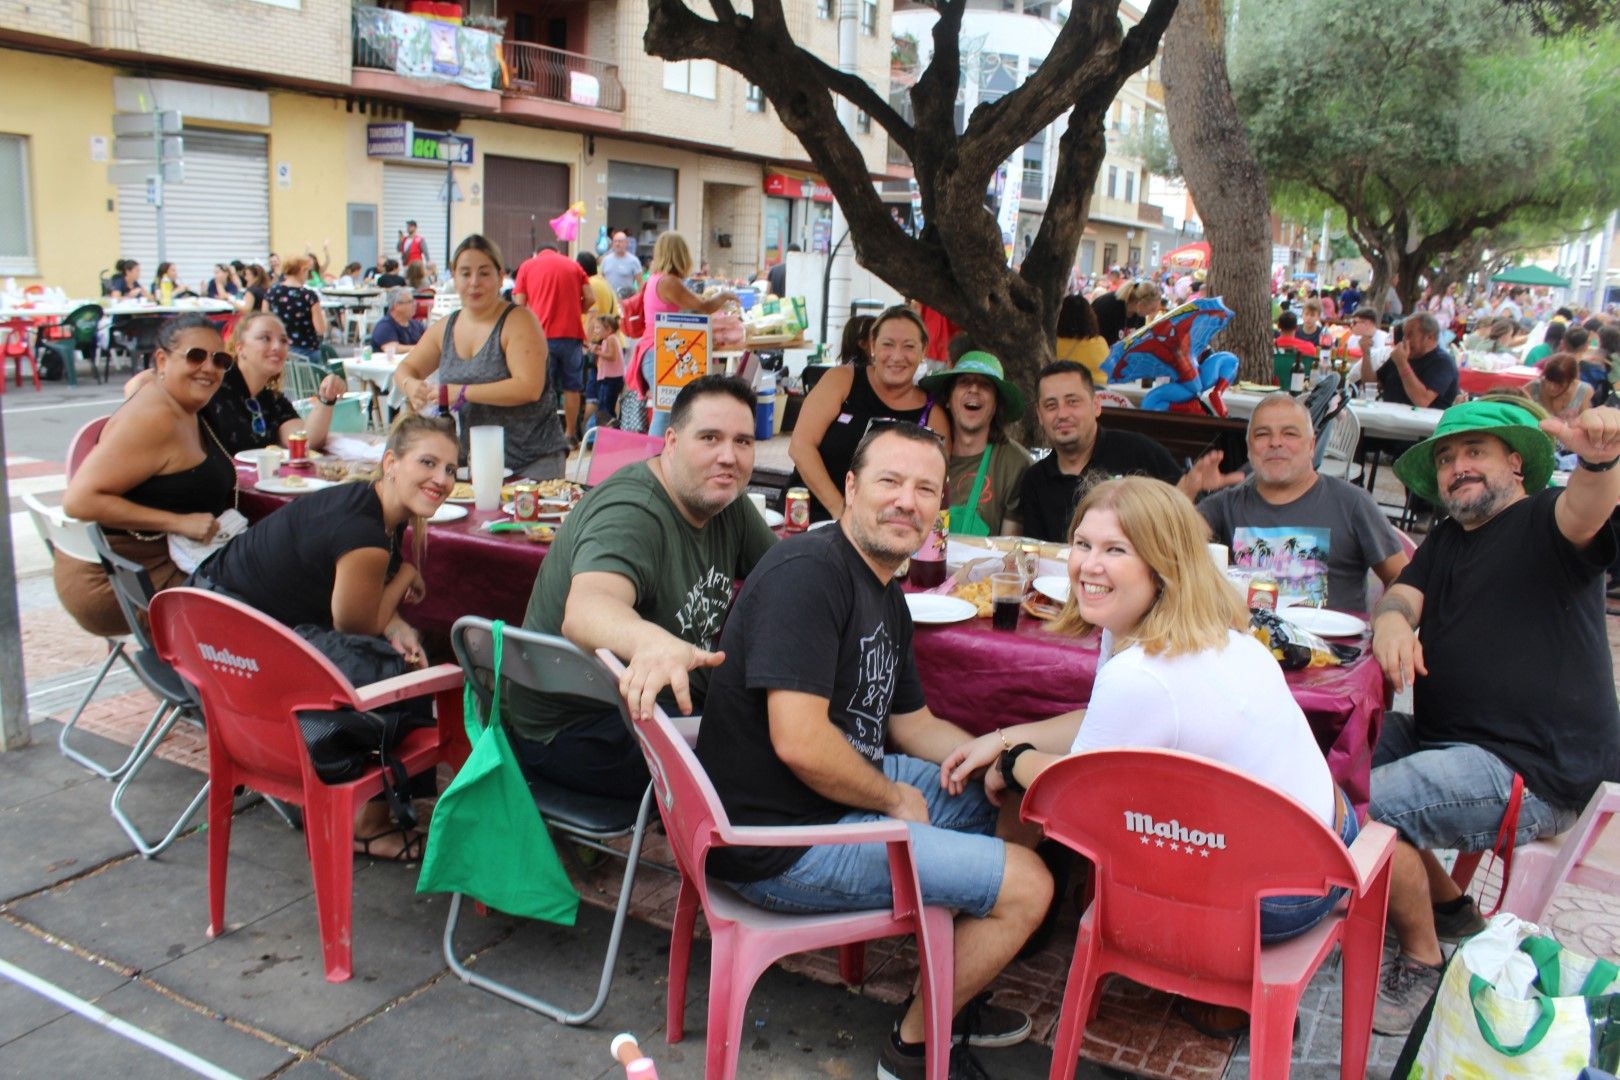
x=982, y=363
x=1517, y=427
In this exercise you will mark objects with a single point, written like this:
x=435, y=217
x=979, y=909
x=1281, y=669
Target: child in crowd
x=608, y=352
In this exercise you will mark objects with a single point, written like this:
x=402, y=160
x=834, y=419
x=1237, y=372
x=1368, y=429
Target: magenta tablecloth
x=982, y=679
x=468, y=572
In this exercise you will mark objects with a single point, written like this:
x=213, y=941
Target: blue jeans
x=959, y=861
x=565, y=367
x=1450, y=795
x=1283, y=917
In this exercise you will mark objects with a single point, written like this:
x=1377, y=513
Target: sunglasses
x=194, y=357
x=260, y=426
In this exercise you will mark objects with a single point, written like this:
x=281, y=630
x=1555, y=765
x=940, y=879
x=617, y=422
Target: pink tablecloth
x=982, y=679
x=468, y=572
x=1481, y=382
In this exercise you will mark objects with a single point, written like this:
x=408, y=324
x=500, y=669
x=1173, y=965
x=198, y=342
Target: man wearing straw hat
x=1514, y=722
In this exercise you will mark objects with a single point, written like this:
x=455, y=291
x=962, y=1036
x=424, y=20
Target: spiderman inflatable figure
x=1177, y=344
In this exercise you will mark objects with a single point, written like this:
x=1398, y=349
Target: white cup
x=269, y=462
x=1221, y=554
x=759, y=502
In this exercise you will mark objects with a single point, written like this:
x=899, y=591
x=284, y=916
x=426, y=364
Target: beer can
x=525, y=502
x=297, y=446
x=1262, y=592
x=798, y=509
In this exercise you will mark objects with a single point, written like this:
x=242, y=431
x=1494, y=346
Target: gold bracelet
x=1005, y=745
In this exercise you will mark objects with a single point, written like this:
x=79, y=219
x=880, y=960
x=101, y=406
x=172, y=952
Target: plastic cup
x=1221, y=554
x=759, y=502
x=1006, y=597
x=269, y=462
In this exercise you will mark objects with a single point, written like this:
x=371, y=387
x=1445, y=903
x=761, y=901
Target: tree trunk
x=1224, y=179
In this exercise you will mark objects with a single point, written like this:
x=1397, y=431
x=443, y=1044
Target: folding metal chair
x=133, y=589
x=552, y=665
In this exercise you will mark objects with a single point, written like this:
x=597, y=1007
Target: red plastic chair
x=17, y=348
x=746, y=939
x=1184, y=849
x=1542, y=867
x=84, y=441
x=253, y=676
x=614, y=449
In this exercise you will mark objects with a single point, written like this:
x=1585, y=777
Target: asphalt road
x=39, y=424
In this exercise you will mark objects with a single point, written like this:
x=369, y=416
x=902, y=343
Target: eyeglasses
x=222, y=360
x=260, y=427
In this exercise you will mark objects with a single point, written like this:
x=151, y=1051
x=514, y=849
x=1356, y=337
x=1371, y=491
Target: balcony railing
x=424, y=49
x=1034, y=185
x=539, y=71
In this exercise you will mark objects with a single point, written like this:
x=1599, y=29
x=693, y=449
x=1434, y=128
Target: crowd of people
x=806, y=679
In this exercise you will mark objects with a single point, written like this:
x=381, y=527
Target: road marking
x=94, y=403
x=179, y=1056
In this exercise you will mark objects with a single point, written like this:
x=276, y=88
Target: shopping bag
x=487, y=840
x=1492, y=1018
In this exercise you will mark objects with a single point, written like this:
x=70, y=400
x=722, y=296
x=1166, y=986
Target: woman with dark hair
x=847, y=399
x=125, y=284
x=255, y=287
x=1560, y=390
x=166, y=286
x=299, y=309
x=1078, y=337
x=1552, y=342
x=226, y=284
x=490, y=357
x=158, y=468
x=343, y=549
x=852, y=347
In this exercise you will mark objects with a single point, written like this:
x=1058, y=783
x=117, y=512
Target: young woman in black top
x=158, y=468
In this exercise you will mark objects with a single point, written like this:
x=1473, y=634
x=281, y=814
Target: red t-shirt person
x=554, y=288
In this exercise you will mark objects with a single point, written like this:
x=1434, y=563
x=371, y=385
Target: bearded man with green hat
x=986, y=467
x=1514, y=721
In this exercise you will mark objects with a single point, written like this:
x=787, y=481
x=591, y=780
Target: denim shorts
x=1283, y=917
x=1450, y=795
x=959, y=860
x=565, y=367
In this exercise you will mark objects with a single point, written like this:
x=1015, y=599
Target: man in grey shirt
x=621, y=269
x=1317, y=534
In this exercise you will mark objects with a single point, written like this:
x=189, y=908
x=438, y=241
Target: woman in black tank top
x=846, y=401
x=156, y=469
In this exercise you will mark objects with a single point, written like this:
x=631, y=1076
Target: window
x=1130, y=187
x=1113, y=184
x=869, y=17
x=1136, y=257
x=756, y=99
x=998, y=75
x=824, y=9
x=1035, y=168
x=863, y=123
x=1110, y=256
x=16, y=215
x=695, y=77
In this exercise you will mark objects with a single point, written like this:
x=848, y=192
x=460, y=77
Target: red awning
x=1194, y=256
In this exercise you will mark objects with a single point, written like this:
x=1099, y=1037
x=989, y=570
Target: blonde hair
x=1134, y=292
x=671, y=255
x=1195, y=605
x=239, y=335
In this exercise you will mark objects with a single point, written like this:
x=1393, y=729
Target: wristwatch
x=1008, y=759
x=1601, y=466
x=328, y=402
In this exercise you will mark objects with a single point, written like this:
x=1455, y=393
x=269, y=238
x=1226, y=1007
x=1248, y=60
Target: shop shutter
x=219, y=213
x=415, y=193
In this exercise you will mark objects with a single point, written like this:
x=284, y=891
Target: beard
x=879, y=546
x=1486, y=504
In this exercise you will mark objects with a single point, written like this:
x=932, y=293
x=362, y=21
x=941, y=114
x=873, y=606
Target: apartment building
x=1002, y=43
x=326, y=123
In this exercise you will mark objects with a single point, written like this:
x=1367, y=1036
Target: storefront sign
x=405, y=142
x=680, y=354
x=793, y=188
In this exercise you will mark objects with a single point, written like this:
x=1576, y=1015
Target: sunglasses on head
x=196, y=356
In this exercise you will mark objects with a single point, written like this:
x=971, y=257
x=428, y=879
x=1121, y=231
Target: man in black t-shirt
x=1083, y=453
x=1513, y=680
x=1419, y=371
x=818, y=680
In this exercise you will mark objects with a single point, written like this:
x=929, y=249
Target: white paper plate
x=1053, y=587
x=1323, y=621
x=774, y=519
x=251, y=457
x=932, y=609
x=279, y=486
x=447, y=512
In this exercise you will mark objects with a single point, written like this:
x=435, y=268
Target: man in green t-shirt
x=644, y=566
x=986, y=468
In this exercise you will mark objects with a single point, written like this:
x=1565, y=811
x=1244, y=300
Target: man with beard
x=818, y=680
x=986, y=468
x=645, y=566
x=1066, y=398
x=1318, y=534
x=1513, y=684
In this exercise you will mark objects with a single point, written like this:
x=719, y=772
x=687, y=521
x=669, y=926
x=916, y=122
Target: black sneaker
x=1406, y=987
x=985, y=1025
x=1453, y=926
x=897, y=1063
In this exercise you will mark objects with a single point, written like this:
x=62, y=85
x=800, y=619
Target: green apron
x=965, y=519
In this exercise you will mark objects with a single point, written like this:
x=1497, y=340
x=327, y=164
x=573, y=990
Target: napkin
x=354, y=449
x=188, y=554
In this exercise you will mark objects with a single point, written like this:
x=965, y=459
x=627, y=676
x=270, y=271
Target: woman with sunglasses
x=158, y=469
x=249, y=411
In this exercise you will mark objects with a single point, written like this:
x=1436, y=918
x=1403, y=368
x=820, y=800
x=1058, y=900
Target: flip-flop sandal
x=410, y=850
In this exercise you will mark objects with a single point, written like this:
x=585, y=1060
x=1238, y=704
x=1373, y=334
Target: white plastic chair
x=71, y=538
x=1342, y=438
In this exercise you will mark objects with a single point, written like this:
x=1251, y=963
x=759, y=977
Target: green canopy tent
x=1530, y=275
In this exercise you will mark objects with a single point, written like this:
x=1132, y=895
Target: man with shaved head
x=1318, y=534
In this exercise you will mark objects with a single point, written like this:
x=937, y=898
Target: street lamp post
x=451, y=149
